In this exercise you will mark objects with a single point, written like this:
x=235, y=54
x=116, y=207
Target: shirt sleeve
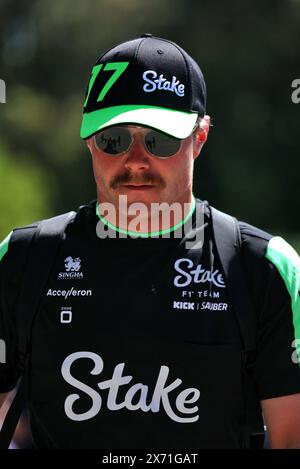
x=8, y=371
x=273, y=271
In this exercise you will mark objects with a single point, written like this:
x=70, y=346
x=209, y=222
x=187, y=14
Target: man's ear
x=89, y=143
x=201, y=135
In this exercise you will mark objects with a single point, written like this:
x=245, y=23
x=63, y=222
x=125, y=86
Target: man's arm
x=273, y=270
x=282, y=418
x=8, y=374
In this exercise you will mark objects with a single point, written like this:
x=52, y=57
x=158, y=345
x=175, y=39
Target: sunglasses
x=117, y=140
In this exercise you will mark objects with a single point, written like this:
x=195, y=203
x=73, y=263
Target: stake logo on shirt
x=137, y=396
x=189, y=273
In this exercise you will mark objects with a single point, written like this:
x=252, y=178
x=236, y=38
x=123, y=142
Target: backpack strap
x=42, y=255
x=41, y=241
x=227, y=239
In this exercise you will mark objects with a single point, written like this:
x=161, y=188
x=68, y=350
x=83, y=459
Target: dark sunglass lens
x=160, y=144
x=113, y=141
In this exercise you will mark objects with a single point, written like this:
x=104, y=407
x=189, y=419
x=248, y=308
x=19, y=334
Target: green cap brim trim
x=176, y=123
x=150, y=234
x=287, y=262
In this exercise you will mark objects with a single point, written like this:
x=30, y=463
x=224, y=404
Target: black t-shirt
x=136, y=344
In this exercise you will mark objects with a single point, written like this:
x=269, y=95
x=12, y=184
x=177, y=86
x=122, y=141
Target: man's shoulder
x=20, y=234
x=254, y=248
x=253, y=239
x=252, y=231
x=86, y=209
x=260, y=248
x=271, y=247
x=269, y=254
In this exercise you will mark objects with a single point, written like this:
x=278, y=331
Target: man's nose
x=137, y=158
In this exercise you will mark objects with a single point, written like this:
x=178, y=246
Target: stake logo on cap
x=148, y=81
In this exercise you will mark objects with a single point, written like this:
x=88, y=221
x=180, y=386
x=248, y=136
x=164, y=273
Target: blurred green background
x=249, y=54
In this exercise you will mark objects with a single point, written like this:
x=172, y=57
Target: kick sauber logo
x=72, y=266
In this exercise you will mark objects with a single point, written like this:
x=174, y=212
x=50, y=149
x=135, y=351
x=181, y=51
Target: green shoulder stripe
x=287, y=261
x=4, y=246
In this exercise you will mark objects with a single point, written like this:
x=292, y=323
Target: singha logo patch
x=72, y=266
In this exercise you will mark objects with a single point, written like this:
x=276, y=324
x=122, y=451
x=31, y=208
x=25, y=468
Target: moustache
x=128, y=178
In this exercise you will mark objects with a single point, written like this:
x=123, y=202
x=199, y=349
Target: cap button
x=146, y=35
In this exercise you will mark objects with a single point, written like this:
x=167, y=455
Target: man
x=136, y=342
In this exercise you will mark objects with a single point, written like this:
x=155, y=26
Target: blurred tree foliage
x=26, y=191
x=248, y=52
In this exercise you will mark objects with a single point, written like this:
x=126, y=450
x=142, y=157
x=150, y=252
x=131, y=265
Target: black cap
x=149, y=81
